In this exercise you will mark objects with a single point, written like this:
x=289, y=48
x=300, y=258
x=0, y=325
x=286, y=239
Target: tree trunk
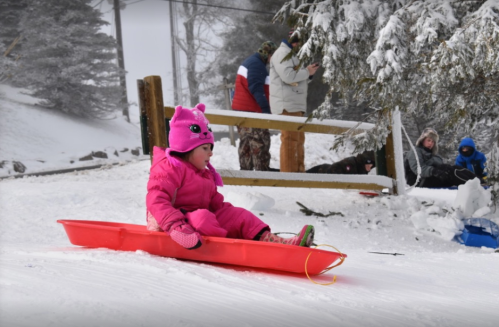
x=121, y=60
x=192, y=9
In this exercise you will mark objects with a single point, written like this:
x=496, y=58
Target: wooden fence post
x=155, y=112
x=143, y=117
x=385, y=159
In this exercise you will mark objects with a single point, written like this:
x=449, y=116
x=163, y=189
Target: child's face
x=369, y=167
x=428, y=143
x=200, y=156
x=466, y=149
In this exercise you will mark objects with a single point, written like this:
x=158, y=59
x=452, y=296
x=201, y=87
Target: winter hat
x=367, y=157
x=467, y=142
x=267, y=49
x=188, y=130
x=431, y=133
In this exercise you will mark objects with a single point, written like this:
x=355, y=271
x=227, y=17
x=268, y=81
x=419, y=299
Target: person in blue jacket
x=472, y=159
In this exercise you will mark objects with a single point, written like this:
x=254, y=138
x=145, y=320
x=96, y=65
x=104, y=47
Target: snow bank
x=472, y=199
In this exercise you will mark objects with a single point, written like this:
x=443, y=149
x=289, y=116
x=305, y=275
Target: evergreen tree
x=10, y=16
x=436, y=59
x=10, y=35
x=66, y=61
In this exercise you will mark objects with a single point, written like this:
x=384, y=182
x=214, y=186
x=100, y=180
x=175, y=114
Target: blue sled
x=479, y=232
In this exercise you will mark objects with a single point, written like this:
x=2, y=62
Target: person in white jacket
x=288, y=96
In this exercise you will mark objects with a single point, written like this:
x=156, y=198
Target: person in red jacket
x=251, y=94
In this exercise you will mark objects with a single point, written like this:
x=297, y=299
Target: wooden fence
x=154, y=124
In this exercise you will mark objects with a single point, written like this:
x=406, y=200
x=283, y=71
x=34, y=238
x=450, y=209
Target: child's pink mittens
x=185, y=235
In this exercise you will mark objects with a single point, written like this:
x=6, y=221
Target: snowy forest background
x=437, y=61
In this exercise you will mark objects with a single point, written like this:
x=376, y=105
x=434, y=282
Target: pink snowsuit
x=181, y=191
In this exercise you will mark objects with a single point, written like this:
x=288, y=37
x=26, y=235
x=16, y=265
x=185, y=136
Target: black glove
x=440, y=173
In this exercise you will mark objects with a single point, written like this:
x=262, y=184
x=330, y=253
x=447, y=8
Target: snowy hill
x=47, y=281
x=42, y=139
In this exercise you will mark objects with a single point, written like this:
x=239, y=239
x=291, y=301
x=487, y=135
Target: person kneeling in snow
x=434, y=173
x=182, y=197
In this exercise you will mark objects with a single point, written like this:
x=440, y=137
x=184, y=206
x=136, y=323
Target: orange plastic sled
x=130, y=237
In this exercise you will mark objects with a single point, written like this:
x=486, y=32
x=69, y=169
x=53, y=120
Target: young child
x=182, y=197
x=472, y=159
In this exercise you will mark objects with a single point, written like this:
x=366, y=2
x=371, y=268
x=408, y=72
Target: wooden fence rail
x=154, y=124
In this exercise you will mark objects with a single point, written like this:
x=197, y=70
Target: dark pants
x=455, y=176
x=435, y=182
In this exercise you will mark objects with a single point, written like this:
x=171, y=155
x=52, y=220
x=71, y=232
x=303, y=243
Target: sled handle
x=342, y=258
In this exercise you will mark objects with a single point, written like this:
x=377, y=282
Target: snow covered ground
x=46, y=281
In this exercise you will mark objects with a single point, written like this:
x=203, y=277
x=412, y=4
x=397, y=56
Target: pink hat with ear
x=189, y=129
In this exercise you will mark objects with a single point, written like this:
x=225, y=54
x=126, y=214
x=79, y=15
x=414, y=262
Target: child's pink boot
x=183, y=233
x=304, y=238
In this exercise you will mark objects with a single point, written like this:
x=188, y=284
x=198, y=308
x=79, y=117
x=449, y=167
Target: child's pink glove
x=183, y=233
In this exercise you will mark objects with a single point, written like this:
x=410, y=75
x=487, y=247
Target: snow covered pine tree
x=66, y=60
x=440, y=56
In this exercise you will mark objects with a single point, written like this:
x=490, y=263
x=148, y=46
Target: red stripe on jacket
x=254, y=78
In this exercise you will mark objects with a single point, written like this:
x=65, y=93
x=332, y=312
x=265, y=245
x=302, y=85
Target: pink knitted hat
x=188, y=130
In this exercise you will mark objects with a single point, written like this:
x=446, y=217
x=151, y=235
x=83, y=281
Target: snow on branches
x=440, y=57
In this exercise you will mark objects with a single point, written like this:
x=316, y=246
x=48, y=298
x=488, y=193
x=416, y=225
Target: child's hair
x=185, y=155
x=181, y=155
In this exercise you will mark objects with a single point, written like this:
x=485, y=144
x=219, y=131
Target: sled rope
x=417, y=159
x=342, y=258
